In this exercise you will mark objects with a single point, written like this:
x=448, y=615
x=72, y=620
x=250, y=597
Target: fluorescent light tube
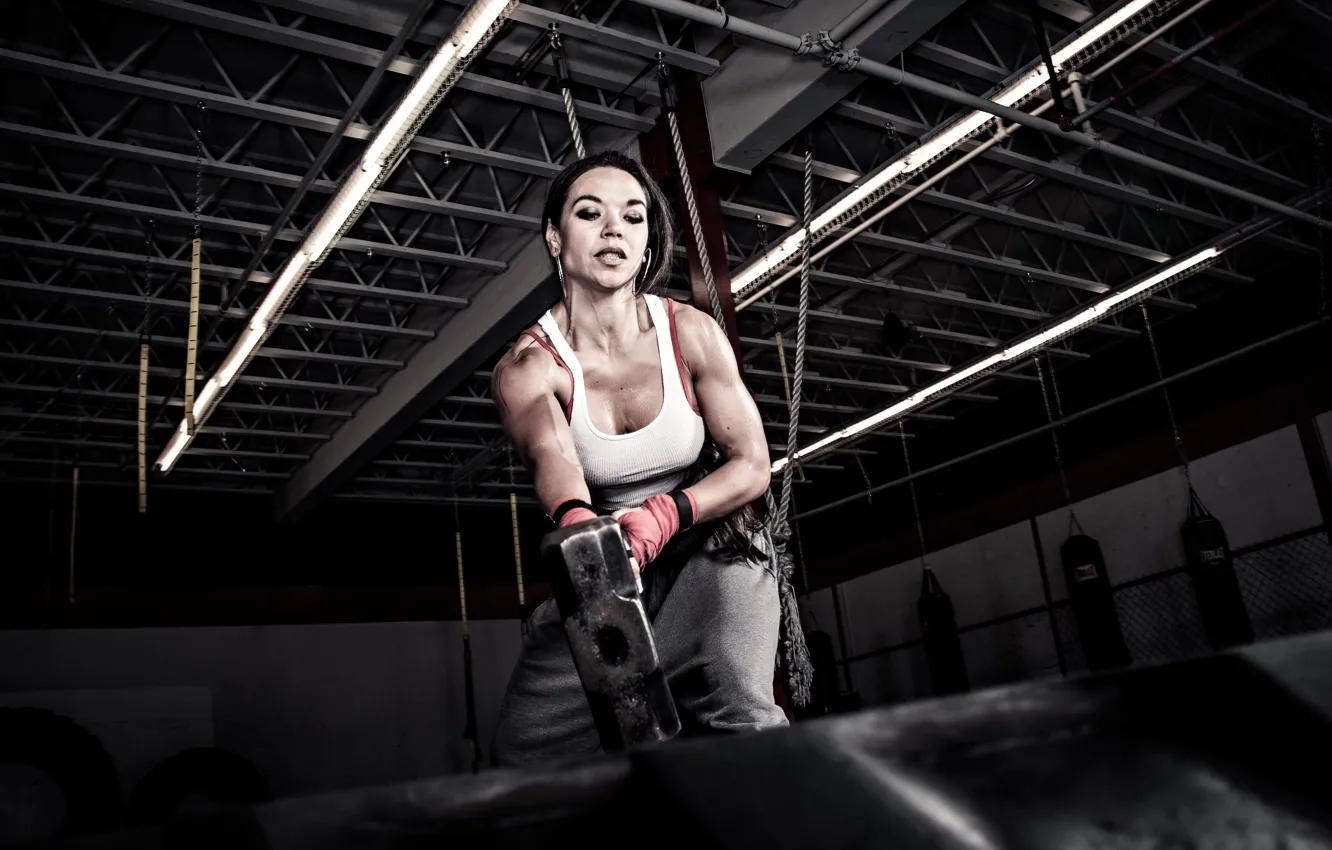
x=1021, y=348
x=931, y=148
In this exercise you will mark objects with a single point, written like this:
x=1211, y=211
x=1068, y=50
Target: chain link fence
x=1286, y=584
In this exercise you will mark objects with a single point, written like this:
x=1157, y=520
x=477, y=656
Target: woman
x=615, y=401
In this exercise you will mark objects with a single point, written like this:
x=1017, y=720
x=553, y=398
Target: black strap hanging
x=145, y=342
x=938, y=626
x=470, y=732
x=1220, y=601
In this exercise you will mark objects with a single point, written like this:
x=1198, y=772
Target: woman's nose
x=612, y=227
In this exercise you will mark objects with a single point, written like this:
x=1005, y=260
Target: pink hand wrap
x=576, y=515
x=651, y=526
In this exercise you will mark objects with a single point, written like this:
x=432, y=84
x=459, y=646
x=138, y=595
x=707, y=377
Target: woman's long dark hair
x=735, y=533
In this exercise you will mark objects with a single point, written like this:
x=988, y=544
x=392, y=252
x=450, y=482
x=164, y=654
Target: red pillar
x=659, y=158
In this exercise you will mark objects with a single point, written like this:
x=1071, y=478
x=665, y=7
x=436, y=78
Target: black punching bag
x=938, y=628
x=1225, y=619
x=1093, y=602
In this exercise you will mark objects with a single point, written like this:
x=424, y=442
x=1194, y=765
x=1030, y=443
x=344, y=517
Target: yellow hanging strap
x=73, y=529
x=462, y=586
x=517, y=549
x=143, y=428
x=786, y=384
x=192, y=341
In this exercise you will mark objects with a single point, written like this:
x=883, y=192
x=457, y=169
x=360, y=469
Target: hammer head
x=609, y=633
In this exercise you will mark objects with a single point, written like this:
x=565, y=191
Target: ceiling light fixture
x=474, y=29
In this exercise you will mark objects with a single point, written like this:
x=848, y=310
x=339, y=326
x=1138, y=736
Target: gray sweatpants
x=716, y=619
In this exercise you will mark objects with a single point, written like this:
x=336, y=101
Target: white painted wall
x=1259, y=490
x=314, y=707
x=325, y=707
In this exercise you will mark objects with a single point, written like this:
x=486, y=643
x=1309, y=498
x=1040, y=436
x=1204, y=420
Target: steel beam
x=157, y=401
x=231, y=225
x=254, y=174
x=374, y=19
x=283, y=115
x=497, y=314
x=347, y=51
x=212, y=310
x=761, y=98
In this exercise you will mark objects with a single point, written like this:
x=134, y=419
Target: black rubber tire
x=219, y=775
x=73, y=757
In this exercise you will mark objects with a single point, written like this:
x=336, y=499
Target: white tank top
x=623, y=470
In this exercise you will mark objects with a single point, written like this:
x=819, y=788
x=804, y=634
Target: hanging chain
x=869, y=485
x=911, y=483
x=1320, y=163
x=1165, y=394
x=1054, y=434
x=566, y=90
x=144, y=332
x=198, y=168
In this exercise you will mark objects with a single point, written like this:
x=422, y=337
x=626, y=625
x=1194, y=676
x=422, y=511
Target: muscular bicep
x=536, y=428
x=728, y=408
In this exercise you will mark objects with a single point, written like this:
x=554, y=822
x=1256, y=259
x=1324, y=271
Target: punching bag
x=1224, y=617
x=1093, y=602
x=943, y=648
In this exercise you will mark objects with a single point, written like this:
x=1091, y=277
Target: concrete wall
x=325, y=707
x=314, y=707
x=1260, y=490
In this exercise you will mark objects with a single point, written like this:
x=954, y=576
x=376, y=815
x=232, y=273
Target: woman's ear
x=552, y=240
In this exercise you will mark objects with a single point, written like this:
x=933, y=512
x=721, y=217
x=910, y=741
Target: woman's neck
x=601, y=321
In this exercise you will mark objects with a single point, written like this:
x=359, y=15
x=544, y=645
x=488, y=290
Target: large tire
x=73, y=759
x=204, y=776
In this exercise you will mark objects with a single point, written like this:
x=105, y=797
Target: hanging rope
x=800, y=672
x=192, y=340
x=145, y=339
x=797, y=382
x=470, y=733
x=1054, y=438
x=517, y=545
x=687, y=188
x=1165, y=395
x=566, y=91
x=915, y=505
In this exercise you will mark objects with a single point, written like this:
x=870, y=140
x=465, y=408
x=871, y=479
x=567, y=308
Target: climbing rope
x=800, y=672
x=145, y=341
x=566, y=91
x=517, y=545
x=192, y=340
x=797, y=381
x=470, y=732
x=687, y=188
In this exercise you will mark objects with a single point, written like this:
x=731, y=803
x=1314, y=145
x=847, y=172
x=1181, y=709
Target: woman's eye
x=586, y=215
x=633, y=219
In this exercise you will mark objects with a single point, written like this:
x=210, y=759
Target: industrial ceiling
x=127, y=126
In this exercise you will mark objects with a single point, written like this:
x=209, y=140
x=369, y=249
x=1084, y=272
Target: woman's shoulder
x=698, y=333
x=527, y=361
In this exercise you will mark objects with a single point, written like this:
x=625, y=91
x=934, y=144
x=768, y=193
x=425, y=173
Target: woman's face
x=603, y=229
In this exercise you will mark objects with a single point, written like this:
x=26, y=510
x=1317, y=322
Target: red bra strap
x=568, y=409
x=679, y=359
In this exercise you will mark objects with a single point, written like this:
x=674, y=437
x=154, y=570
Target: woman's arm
x=523, y=389
x=731, y=416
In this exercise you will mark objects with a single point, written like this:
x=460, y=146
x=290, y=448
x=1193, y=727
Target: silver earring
x=559, y=270
x=647, y=264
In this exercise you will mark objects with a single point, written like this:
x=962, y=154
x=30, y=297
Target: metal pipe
x=1212, y=38
x=857, y=17
x=1151, y=37
x=1225, y=358
x=776, y=38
